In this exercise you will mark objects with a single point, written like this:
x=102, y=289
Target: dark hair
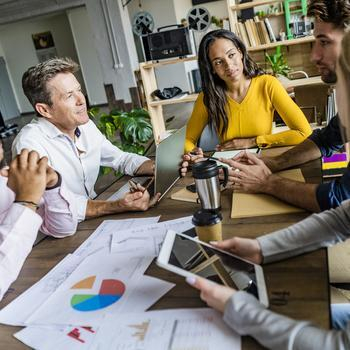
x=35, y=79
x=214, y=88
x=336, y=12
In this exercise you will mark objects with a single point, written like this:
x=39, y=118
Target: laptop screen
x=168, y=159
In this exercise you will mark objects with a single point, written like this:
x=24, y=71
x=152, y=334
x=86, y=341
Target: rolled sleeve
x=124, y=162
x=331, y=194
x=81, y=205
x=60, y=212
x=328, y=139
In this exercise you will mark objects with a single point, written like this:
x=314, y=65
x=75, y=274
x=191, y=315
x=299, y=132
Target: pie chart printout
x=111, y=291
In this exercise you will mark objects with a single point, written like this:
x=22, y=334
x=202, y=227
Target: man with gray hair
x=71, y=141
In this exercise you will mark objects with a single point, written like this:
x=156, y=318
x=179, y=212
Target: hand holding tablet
x=190, y=257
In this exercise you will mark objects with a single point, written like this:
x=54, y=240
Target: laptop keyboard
x=126, y=188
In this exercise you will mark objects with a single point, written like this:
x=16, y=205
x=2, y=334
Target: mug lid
x=206, y=218
x=205, y=169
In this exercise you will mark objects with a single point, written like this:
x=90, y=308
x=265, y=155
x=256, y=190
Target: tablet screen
x=213, y=264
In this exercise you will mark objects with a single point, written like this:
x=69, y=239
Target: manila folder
x=249, y=205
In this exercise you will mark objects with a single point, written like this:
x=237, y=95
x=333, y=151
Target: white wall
x=19, y=51
x=216, y=8
x=134, y=62
x=88, y=58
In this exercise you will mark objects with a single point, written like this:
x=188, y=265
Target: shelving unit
x=291, y=42
x=234, y=7
x=155, y=107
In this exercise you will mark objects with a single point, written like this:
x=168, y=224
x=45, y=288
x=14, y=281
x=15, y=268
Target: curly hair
x=336, y=12
x=35, y=79
x=214, y=89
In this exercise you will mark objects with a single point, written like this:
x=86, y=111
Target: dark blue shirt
x=328, y=140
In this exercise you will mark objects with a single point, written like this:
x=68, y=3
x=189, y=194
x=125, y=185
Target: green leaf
x=134, y=127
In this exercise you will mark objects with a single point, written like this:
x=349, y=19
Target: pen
x=138, y=187
x=133, y=186
x=213, y=158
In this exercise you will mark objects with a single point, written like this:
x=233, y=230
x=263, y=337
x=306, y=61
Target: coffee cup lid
x=205, y=218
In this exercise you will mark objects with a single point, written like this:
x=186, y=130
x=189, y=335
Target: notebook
x=250, y=205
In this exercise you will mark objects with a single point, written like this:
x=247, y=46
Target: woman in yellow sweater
x=238, y=100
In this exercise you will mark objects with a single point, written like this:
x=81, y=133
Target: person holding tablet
x=238, y=100
x=244, y=313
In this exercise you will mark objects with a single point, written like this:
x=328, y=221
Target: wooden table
x=297, y=287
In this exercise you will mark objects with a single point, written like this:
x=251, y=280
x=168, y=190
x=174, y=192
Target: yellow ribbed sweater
x=254, y=115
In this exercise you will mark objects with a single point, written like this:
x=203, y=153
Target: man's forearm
x=300, y=154
x=96, y=208
x=302, y=195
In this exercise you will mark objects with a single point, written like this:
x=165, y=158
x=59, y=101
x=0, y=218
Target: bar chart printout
x=190, y=329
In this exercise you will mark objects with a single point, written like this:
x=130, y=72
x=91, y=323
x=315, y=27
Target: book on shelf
x=259, y=30
x=331, y=107
x=254, y=31
x=250, y=33
x=264, y=31
x=244, y=34
x=269, y=30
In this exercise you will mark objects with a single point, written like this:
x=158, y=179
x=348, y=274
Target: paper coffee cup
x=208, y=225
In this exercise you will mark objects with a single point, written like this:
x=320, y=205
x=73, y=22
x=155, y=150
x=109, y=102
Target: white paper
x=18, y=311
x=146, y=240
x=101, y=237
x=77, y=302
x=57, y=338
x=167, y=329
x=231, y=154
x=22, y=307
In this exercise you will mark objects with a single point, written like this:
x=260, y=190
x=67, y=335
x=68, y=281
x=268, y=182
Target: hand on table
x=248, y=175
x=237, y=144
x=245, y=248
x=242, y=158
x=195, y=155
x=27, y=176
x=215, y=295
x=138, y=200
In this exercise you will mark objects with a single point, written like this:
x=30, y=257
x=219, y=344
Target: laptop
x=167, y=163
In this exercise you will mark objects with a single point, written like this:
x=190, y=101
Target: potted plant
x=278, y=63
x=133, y=128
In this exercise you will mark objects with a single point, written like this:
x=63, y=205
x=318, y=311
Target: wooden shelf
x=172, y=101
x=306, y=39
x=154, y=64
x=251, y=4
x=302, y=82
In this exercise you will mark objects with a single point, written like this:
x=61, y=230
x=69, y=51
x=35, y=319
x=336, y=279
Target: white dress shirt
x=77, y=161
x=19, y=226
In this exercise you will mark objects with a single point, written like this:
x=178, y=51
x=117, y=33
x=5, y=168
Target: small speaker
x=169, y=43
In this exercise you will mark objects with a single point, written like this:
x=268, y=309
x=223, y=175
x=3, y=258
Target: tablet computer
x=188, y=256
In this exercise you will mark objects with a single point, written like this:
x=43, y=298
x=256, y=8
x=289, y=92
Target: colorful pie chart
x=111, y=291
